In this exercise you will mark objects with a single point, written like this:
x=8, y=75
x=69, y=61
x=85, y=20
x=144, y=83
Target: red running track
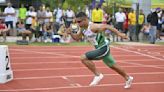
x=58, y=69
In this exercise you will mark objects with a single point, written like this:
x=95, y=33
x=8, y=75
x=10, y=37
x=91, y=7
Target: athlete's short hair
x=80, y=15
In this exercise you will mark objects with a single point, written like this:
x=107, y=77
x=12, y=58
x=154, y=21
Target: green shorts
x=102, y=52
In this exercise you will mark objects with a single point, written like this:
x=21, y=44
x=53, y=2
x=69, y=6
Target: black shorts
x=119, y=26
x=97, y=53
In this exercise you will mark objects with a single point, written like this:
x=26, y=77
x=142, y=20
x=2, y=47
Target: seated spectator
x=145, y=31
x=74, y=26
x=65, y=38
x=3, y=30
x=48, y=32
x=22, y=30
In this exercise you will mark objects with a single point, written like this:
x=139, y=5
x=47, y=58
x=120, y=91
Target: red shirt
x=2, y=26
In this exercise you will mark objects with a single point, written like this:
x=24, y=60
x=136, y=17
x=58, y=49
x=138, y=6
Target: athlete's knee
x=83, y=58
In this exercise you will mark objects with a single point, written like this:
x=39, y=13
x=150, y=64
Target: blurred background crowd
x=47, y=20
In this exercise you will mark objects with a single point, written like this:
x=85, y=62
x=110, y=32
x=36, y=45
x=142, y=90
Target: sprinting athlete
x=94, y=34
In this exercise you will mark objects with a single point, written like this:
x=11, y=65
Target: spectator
x=41, y=15
x=30, y=19
x=69, y=17
x=58, y=13
x=75, y=27
x=48, y=15
x=65, y=38
x=132, y=25
x=9, y=17
x=126, y=25
x=145, y=31
x=22, y=30
x=141, y=21
x=153, y=28
x=22, y=12
x=48, y=32
x=159, y=26
x=97, y=14
x=3, y=30
x=120, y=19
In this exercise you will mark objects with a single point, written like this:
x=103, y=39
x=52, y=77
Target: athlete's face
x=81, y=22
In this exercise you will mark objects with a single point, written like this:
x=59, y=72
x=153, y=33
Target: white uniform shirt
x=9, y=17
x=120, y=16
x=29, y=19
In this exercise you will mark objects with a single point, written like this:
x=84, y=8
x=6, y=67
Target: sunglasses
x=79, y=21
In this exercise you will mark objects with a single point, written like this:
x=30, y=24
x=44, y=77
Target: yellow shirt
x=97, y=15
x=140, y=19
x=22, y=13
x=132, y=18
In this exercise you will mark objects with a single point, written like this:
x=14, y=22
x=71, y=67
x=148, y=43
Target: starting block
x=6, y=73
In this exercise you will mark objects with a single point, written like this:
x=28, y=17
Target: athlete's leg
x=94, y=55
x=90, y=65
x=109, y=61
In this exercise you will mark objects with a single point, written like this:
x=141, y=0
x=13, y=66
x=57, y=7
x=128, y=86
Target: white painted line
x=76, y=68
x=71, y=82
x=48, y=53
x=71, y=61
x=152, y=66
x=48, y=77
x=71, y=68
x=139, y=53
x=71, y=87
x=40, y=57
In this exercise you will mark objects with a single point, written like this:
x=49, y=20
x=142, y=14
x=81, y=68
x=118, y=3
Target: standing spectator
x=141, y=21
x=22, y=12
x=41, y=15
x=3, y=30
x=132, y=24
x=30, y=18
x=159, y=26
x=9, y=17
x=69, y=16
x=97, y=14
x=120, y=19
x=126, y=25
x=48, y=15
x=58, y=13
x=153, y=28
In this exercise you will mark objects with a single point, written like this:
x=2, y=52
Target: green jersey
x=96, y=39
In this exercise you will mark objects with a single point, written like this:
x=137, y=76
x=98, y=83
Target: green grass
x=64, y=44
x=47, y=44
x=160, y=43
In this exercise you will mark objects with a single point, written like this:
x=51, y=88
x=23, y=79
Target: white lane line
x=69, y=61
x=143, y=65
x=71, y=87
x=71, y=82
x=48, y=53
x=75, y=68
x=44, y=57
x=47, y=77
x=139, y=53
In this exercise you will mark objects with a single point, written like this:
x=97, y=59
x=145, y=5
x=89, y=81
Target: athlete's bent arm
x=103, y=27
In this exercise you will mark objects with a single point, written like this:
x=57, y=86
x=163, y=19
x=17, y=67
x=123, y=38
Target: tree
x=74, y=4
